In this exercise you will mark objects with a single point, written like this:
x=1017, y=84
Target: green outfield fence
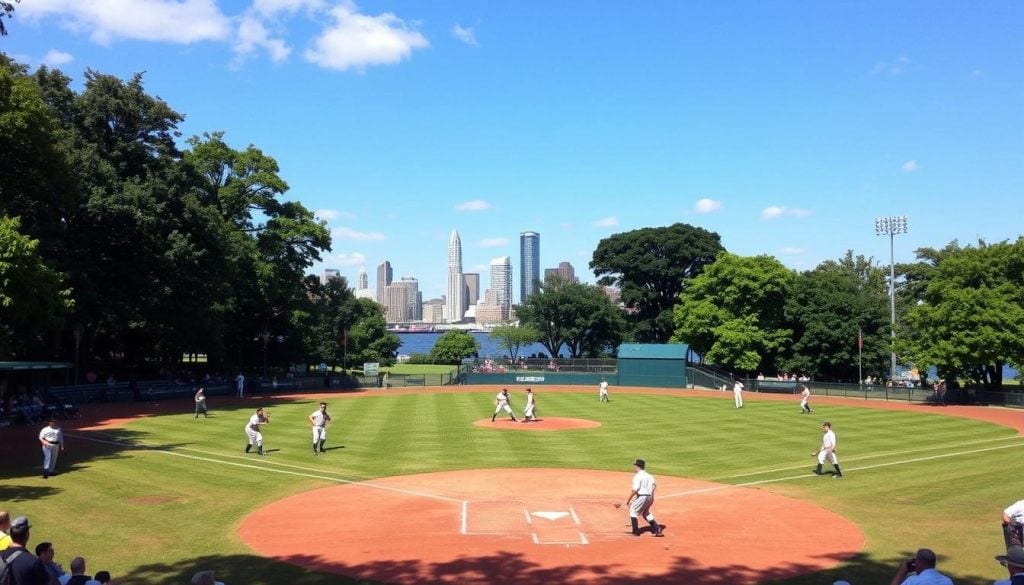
x=882, y=392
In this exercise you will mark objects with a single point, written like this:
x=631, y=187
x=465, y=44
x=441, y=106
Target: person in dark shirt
x=26, y=568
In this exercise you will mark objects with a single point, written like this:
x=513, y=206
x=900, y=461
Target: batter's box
x=507, y=517
x=599, y=516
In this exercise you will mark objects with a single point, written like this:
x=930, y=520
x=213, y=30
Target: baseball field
x=419, y=486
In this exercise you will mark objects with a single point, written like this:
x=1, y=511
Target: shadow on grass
x=511, y=568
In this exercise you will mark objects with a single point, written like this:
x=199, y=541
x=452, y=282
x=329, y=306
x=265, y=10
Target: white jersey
x=529, y=399
x=501, y=398
x=254, y=422
x=643, y=483
x=51, y=435
x=828, y=441
x=319, y=418
x=1016, y=511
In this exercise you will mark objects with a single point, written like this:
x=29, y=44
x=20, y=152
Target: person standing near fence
x=51, y=437
x=737, y=393
x=240, y=384
x=602, y=391
x=805, y=396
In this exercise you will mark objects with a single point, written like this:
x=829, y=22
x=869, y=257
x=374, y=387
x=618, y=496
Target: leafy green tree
x=971, y=318
x=6, y=11
x=579, y=317
x=454, y=346
x=829, y=308
x=733, y=314
x=650, y=266
x=512, y=338
x=33, y=299
x=368, y=338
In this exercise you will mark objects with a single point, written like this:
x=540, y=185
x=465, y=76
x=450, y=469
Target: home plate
x=555, y=527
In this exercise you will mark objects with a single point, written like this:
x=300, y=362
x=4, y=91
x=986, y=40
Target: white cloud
x=707, y=205
x=776, y=211
x=464, y=34
x=493, y=242
x=332, y=214
x=610, y=221
x=55, y=58
x=344, y=233
x=252, y=34
x=106, y=21
x=909, y=166
x=275, y=7
x=355, y=40
x=350, y=259
x=896, y=66
x=474, y=205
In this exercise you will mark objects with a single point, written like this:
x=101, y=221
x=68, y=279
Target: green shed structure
x=653, y=364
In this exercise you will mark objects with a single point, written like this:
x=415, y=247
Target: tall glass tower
x=501, y=283
x=453, y=302
x=529, y=264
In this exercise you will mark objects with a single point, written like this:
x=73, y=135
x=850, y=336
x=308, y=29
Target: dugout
x=661, y=365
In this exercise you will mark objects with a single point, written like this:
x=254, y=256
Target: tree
x=6, y=11
x=970, y=321
x=733, y=313
x=368, y=338
x=651, y=266
x=577, y=316
x=829, y=309
x=512, y=338
x=454, y=346
x=33, y=298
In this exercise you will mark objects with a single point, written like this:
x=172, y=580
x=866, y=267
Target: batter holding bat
x=252, y=430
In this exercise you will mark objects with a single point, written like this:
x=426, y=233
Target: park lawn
x=157, y=514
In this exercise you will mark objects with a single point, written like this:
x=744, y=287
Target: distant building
x=384, y=276
x=362, y=280
x=330, y=273
x=433, y=311
x=529, y=264
x=471, y=290
x=366, y=293
x=565, y=272
x=396, y=302
x=496, y=306
x=613, y=294
x=453, y=308
x=414, y=299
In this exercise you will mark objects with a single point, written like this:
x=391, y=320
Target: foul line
x=165, y=451
x=871, y=456
x=805, y=476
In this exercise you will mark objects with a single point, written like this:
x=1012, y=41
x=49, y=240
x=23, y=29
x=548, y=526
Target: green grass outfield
x=157, y=514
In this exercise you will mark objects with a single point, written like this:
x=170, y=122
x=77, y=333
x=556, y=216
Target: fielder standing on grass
x=827, y=450
x=52, y=440
x=641, y=498
x=201, y=402
x=737, y=393
x=252, y=430
x=602, y=391
x=319, y=420
x=805, y=396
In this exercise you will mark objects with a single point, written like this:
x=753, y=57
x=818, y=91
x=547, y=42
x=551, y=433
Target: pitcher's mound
x=544, y=423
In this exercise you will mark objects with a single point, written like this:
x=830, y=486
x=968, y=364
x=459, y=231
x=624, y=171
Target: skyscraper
x=414, y=310
x=453, y=306
x=362, y=280
x=471, y=290
x=384, y=276
x=565, y=271
x=501, y=282
x=529, y=264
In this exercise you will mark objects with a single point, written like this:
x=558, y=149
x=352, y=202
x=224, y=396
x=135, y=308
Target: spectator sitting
x=45, y=552
x=920, y=570
x=77, y=576
x=5, y=529
x=205, y=578
x=102, y=577
x=1013, y=560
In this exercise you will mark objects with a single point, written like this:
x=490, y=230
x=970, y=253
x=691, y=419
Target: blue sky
x=786, y=127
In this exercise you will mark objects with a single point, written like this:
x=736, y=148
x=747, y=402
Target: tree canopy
x=579, y=317
x=651, y=267
x=453, y=346
x=512, y=338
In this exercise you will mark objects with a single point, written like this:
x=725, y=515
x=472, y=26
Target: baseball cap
x=639, y=463
x=1014, y=556
x=20, y=523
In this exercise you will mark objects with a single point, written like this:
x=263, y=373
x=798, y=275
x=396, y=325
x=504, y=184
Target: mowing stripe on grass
x=871, y=456
x=805, y=476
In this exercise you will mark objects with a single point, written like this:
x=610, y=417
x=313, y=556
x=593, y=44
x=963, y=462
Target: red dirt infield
x=550, y=423
x=532, y=526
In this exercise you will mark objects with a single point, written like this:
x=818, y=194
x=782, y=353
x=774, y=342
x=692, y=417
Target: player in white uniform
x=252, y=430
x=52, y=440
x=501, y=403
x=319, y=420
x=737, y=393
x=531, y=406
x=201, y=402
x=827, y=451
x=641, y=498
x=805, y=395
x=602, y=391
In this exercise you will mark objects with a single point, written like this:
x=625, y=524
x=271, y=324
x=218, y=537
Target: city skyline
x=786, y=129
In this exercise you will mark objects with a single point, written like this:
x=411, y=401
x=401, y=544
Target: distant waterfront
x=423, y=342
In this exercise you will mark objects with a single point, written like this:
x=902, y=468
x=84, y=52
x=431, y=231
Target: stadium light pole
x=891, y=226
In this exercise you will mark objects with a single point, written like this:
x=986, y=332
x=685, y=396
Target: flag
x=860, y=339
